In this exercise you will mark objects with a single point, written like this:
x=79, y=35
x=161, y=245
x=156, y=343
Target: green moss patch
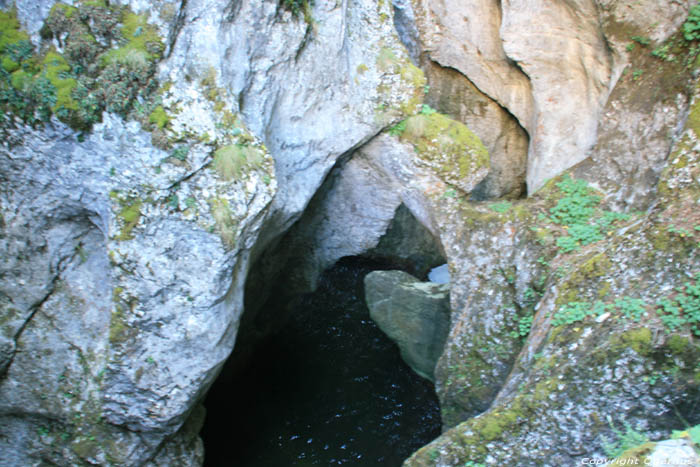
x=140, y=42
x=226, y=225
x=58, y=73
x=129, y=217
x=108, y=63
x=638, y=339
x=158, y=117
x=446, y=145
x=10, y=33
x=231, y=161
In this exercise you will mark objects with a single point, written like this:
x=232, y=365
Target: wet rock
x=414, y=314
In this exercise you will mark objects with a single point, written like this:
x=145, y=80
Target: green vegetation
x=57, y=71
x=524, y=325
x=683, y=307
x=158, y=117
x=108, y=63
x=693, y=434
x=226, y=225
x=691, y=27
x=230, y=161
x=398, y=129
x=643, y=41
x=447, y=145
x=624, y=308
x=139, y=42
x=128, y=216
x=502, y=206
x=576, y=206
x=576, y=311
x=299, y=7
x=180, y=153
x=624, y=440
x=411, y=76
x=577, y=212
x=25, y=90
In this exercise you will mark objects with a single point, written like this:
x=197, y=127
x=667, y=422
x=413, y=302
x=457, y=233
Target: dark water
x=331, y=389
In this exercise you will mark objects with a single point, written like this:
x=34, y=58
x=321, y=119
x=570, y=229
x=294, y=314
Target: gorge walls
x=150, y=196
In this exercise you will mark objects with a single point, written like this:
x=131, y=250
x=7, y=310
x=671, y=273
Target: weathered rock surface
x=125, y=267
x=98, y=259
x=670, y=452
x=551, y=64
x=408, y=244
x=123, y=286
x=602, y=340
x=414, y=314
x=507, y=143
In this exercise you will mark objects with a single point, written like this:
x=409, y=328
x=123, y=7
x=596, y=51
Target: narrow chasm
x=329, y=388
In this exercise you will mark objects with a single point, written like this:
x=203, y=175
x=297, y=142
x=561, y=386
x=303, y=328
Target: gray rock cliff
x=162, y=163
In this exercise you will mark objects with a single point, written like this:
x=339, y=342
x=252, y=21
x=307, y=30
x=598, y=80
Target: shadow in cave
x=329, y=389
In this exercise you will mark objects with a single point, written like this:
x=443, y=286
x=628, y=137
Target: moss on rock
x=447, y=146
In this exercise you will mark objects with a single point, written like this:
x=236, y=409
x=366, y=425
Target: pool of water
x=331, y=389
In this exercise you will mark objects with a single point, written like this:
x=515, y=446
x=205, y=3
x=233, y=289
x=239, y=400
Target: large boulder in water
x=414, y=314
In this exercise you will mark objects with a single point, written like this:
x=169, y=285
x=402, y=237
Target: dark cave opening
x=328, y=388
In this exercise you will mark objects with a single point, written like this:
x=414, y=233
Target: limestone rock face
x=506, y=141
x=125, y=265
x=601, y=319
x=551, y=64
x=107, y=283
x=311, y=91
x=414, y=314
x=123, y=286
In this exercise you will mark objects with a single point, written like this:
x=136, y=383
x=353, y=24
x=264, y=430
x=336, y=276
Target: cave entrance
x=328, y=389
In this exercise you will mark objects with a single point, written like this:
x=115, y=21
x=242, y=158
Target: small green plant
x=530, y=297
x=636, y=74
x=577, y=212
x=524, y=325
x=173, y=201
x=624, y=440
x=398, y=129
x=641, y=40
x=693, y=433
x=652, y=378
x=231, y=161
x=427, y=110
x=298, y=7
x=571, y=313
x=434, y=454
x=502, y=206
x=576, y=206
x=579, y=234
x=158, y=117
x=682, y=308
x=680, y=231
x=631, y=308
x=664, y=53
x=180, y=153
x=691, y=27
x=450, y=193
